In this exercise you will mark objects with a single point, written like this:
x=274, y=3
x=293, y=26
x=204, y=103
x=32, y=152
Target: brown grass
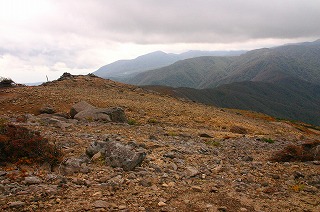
x=238, y=129
x=306, y=152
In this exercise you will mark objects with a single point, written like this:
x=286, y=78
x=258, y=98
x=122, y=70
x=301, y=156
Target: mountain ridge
x=266, y=64
x=196, y=69
x=122, y=69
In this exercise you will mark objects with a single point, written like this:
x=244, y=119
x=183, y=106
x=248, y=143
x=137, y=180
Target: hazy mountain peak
x=155, y=53
x=121, y=69
x=316, y=41
x=299, y=60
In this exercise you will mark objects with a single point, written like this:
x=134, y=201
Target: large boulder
x=80, y=106
x=87, y=112
x=75, y=165
x=117, y=154
x=94, y=114
x=116, y=114
x=313, y=149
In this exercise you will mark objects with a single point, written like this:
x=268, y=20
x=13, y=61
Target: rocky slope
x=198, y=158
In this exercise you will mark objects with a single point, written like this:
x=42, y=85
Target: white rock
x=161, y=204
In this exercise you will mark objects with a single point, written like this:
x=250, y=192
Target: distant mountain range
x=193, y=73
x=121, y=70
x=301, y=61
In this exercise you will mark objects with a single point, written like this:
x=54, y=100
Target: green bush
x=267, y=140
x=132, y=122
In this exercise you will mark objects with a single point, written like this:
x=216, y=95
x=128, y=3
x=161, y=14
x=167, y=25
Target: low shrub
x=132, y=122
x=171, y=133
x=238, y=130
x=298, y=187
x=152, y=121
x=6, y=82
x=213, y=143
x=21, y=145
x=305, y=152
x=267, y=140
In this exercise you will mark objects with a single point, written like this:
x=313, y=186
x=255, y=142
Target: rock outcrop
x=80, y=106
x=47, y=110
x=116, y=154
x=87, y=112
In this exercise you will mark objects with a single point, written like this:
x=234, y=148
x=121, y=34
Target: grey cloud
x=180, y=21
x=207, y=21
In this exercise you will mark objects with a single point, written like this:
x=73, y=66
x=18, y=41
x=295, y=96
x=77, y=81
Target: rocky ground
x=196, y=159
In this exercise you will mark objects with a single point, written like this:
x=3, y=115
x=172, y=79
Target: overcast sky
x=49, y=37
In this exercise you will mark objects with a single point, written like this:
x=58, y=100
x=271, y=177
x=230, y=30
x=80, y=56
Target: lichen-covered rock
x=94, y=114
x=32, y=180
x=95, y=147
x=116, y=114
x=47, y=109
x=86, y=112
x=117, y=154
x=80, y=106
x=75, y=165
x=55, y=120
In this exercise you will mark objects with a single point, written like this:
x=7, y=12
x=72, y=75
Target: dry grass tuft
x=306, y=152
x=239, y=130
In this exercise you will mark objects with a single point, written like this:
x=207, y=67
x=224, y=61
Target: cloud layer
x=48, y=37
